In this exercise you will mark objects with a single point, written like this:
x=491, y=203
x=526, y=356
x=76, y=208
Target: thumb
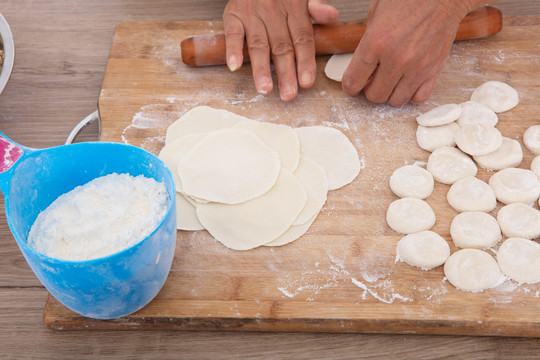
x=322, y=12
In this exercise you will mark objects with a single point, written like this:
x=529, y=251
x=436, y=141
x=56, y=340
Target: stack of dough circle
x=519, y=220
x=515, y=185
x=475, y=229
x=472, y=270
x=251, y=183
x=519, y=259
x=424, y=249
x=531, y=138
x=410, y=215
x=471, y=194
x=412, y=181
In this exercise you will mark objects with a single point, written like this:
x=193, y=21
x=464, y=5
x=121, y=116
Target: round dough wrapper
x=479, y=139
x=292, y=233
x=519, y=259
x=475, y=229
x=431, y=138
x=202, y=119
x=282, y=138
x=471, y=194
x=508, y=155
x=515, y=185
x=411, y=181
x=229, y=166
x=472, y=270
x=186, y=216
x=410, y=215
x=256, y=222
x=332, y=150
x=448, y=165
x=496, y=95
x=441, y=115
x=475, y=113
x=336, y=66
x=313, y=177
x=519, y=220
x=531, y=138
x=174, y=151
x=535, y=166
x=424, y=249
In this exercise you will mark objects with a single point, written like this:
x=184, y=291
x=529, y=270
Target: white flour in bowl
x=100, y=218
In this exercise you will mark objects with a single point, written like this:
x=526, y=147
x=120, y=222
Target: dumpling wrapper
x=332, y=150
x=229, y=166
x=259, y=221
x=202, y=119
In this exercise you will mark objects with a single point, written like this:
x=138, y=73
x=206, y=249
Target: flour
x=100, y=218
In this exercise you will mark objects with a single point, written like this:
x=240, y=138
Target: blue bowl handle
x=10, y=153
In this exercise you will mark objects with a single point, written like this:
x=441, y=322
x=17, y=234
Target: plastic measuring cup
x=102, y=288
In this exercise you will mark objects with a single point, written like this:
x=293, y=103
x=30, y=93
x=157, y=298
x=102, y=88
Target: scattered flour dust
x=387, y=298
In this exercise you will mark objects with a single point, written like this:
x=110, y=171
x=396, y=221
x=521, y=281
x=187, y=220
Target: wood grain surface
x=62, y=50
x=341, y=276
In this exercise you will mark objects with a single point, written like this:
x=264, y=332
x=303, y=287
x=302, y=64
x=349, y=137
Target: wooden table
x=62, y=49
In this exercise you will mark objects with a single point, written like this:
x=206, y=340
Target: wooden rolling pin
x=341, y=37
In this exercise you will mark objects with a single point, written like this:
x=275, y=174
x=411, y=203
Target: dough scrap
x=475, y=229
x=496, y=95
x=535, y=166
x=202, y=119
x=292, y=233
x=410, y=215
x=519, y=220
x=331, y=149
x=431, y=138
x=336, y=66
x=186, y=215
x=519, y=259
x=424, y=249
x=282, y=138
x=515, y=185
x=508, y=155
x=255, y=222
x=448, y=165
x=440, y=115
x=411, y=181
x=229, y=166
x=479, y=139
x=472, y=270
x=531, y=138
x=471, y=194
x=475, y=113
x=313, y=177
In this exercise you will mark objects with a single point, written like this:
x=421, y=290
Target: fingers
x=322, y=12
x=359, y=72
x=234, y=41
x=301, y=31
x=259, y=53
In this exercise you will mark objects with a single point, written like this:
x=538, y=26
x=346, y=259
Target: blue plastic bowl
x=103, y=288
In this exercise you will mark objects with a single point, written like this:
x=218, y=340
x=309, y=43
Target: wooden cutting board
x=341, y=276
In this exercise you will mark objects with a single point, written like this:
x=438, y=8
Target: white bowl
x=9, y=53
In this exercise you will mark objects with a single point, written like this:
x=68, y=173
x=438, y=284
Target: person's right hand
x=280, y=30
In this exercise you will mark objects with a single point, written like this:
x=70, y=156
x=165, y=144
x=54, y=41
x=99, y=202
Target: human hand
x=277, y=29
x=404, y=49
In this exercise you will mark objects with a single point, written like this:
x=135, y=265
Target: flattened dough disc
x=229, y=166
x=519, y=259
x=472, y=270
x=313, y=177
x=256, y=222
x=448, y=165
x=336, y=66
x=496, y=95
x=425, y=249
x=331, y=149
